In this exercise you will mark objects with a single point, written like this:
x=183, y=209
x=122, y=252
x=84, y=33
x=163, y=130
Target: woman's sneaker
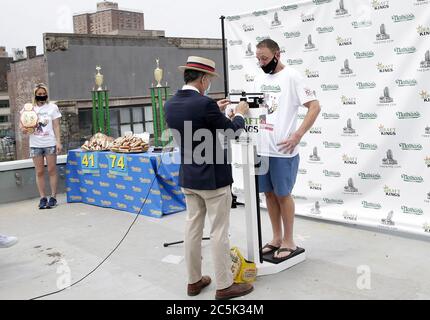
x=51, y=203
x=43, y=203
x=6, y=242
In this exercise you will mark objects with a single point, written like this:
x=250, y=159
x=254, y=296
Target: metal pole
x=224, y=60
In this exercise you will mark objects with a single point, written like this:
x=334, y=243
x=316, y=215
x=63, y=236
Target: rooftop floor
x=79, y=236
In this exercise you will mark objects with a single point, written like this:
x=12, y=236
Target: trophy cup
x=99, y=79
x=158, y=73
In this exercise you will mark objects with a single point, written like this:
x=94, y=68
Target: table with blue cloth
x=125, y=181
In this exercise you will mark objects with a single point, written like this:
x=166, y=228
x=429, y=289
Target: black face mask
x=41, y=98
x=271, y=66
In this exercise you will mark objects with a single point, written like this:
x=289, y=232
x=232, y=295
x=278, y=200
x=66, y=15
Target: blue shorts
x=280, y=176
x=39, y=152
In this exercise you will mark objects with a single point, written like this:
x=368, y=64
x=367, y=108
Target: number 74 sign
x=118, y=164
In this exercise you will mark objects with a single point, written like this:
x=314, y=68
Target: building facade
x=128, y=62
x=111, y=20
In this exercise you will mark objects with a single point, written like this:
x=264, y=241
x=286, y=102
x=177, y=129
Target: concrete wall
x=128, y=63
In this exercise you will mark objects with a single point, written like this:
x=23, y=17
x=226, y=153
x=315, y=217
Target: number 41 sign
x=90, y=162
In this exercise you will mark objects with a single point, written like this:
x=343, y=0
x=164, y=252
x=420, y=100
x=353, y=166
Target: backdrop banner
x=366, y=160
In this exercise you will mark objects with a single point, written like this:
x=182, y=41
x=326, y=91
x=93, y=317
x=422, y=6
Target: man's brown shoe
x=195, y=288
x=235, y=290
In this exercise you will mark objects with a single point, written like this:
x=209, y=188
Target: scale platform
x=272, y=266
x=268, y=257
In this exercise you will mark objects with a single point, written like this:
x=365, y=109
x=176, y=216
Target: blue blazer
x=204, y=113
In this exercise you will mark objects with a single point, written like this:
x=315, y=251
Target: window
x=4, y=119
x=4, y=104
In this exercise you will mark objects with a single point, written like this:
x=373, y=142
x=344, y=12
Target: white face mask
x=208, y=89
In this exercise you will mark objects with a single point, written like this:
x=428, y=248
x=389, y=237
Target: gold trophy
x=99, y=79
x=158, y=73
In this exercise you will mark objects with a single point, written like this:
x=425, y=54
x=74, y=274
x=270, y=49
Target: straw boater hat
x=200, y=64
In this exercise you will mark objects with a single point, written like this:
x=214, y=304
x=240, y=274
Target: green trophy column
x=101, y=112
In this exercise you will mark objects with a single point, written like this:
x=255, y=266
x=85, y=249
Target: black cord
x=117, y=246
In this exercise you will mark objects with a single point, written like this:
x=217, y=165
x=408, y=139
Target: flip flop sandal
x=292, y=253
x=269, y=246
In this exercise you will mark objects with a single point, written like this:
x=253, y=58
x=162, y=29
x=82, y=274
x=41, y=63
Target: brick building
x=109, y=19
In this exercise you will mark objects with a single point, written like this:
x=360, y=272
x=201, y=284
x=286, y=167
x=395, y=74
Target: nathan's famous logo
x=369, y=176
x=301, y=116
x=293, y=34
x=333, y=201
x=365, y=85
x=403, y=17
x=261, y=38
x=384, y=67
x=235, y=42
x=302, y=171
x=303, y=144
x=348, y=100
x=371, y=205
x=410, y=210
x=364, y=54
x=349, y=160
x=367, y=146
x=410, y=146
x=332, y=145
x=367, y=115
x=318, y=2
x=344, y=41
x=423, y=31
x=327, y=58
x=329, y=87
x=233, y=18
x=325, y=29
x=406, y=82
x=234, y=67
x=247, y=28
x=311, y=74
x=416, y=179
x=391, y=192
x=330, y=116
x=270, y=88
x=387, y=131
x=408, y=115
x=294, y=61
x=315, y=186
x=405, y=50
x=333, y=174
x=379, y=5
x=427, y=161
x=421, y=2
x=260, y=13
x=84, y=190
x=362, y=24
x=425, y=96
x=307, y=17
x=289, y=8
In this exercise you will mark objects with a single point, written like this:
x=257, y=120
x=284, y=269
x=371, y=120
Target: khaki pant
x=217, y=204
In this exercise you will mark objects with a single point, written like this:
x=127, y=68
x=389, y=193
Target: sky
x=23, y=22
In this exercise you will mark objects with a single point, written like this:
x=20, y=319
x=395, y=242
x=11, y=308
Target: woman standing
x=45, y=142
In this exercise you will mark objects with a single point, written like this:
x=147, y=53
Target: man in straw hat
x=205, y=176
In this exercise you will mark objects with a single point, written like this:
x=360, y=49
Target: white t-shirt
x=44, y=135
x=284, y=92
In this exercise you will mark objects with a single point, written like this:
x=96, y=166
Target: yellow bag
x=244, y=271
